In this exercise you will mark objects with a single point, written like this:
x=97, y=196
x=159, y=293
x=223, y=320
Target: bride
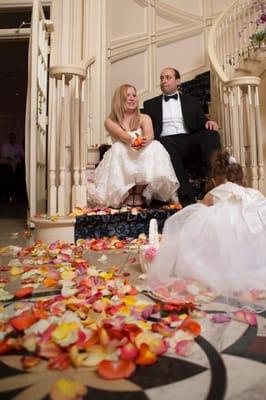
x=136, y=168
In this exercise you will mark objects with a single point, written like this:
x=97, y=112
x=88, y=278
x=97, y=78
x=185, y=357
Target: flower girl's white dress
x=222, y=246
x=122, y=167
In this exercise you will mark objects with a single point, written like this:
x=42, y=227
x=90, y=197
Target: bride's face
x=131, y=102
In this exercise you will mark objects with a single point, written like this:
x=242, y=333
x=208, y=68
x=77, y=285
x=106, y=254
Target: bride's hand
x=144, y=141
x=137, y=142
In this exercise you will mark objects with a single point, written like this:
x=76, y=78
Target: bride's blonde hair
x=118, y=107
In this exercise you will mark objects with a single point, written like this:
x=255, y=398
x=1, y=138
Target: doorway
x=14, y=43
x=13, y=83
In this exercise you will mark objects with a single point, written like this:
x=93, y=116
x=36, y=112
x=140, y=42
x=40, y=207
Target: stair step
x=245, y=70
x=255, y=60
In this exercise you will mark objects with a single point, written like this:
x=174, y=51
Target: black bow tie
x=174, y=96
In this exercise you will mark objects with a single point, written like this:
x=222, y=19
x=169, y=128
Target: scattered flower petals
x=183, y=348
x=116, y=369
x=248, y=317
x=23, y=292
x=220, y=318
x=67, y=389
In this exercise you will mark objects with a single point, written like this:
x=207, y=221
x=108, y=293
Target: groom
x=181, y=126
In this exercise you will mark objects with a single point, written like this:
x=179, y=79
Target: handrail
x=72, y=69
x=231, y=30
x=211, y=49
x=89, y=62
x=235, y=98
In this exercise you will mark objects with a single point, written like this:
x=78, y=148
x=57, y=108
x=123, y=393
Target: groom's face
x=168, y=81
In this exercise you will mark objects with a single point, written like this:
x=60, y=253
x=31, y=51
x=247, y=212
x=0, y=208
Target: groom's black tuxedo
x=193, y=115
x=187, y=151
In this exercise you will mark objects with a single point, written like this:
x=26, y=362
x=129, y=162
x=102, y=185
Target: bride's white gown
x=122, y=167
x=222, y=246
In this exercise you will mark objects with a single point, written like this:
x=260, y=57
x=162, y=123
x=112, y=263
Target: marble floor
x=227, y=360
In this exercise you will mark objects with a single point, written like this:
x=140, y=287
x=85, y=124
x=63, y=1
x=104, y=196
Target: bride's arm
x=147, y=128
x=117, y=132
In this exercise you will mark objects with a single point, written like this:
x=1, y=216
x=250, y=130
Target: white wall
x=132, y=41
x=154, y=34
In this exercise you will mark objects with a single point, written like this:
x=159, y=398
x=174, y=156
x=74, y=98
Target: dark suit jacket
x=193, y=114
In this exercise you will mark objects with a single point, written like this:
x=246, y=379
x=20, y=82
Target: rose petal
x=220, y=318
x=247, y=317
x=67, y=389
x=23, y=292
x=183, y=348
x=116, y=369
x=146, y=357
x=129, y=351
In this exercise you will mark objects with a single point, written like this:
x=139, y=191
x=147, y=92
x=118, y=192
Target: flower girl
x=220, y=241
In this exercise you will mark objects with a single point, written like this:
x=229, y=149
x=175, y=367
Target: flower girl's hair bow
x=231, y=159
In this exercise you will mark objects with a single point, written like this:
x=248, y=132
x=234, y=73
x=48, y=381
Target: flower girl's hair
x=225, y=168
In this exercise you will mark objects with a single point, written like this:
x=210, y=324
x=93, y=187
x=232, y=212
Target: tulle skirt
x=212, y=245
x=124, y=167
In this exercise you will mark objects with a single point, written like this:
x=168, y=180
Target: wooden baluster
x=234, y=117
x=227, y=116
x=62, y=210
x=76, y=145
x=260, y=160
x=226, y=47
x=83, y=147
x=252, y=137
x=235, y=39
x=52, y=150
x=241, y=127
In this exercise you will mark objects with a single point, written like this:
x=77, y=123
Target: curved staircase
x=237, y=69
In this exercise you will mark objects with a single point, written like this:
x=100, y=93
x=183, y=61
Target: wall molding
x=174, y=36
x=128, y=53
x=174, y=13
x=127, y=40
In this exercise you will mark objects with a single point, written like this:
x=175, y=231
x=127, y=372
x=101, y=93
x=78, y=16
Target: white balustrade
x=68, y=138
x=235, y=100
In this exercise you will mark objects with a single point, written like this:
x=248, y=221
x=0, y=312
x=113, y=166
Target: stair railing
x=68, y=136
x=235, y=98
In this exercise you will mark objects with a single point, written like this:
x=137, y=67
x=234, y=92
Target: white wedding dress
x=123, y=167
x=222, y=246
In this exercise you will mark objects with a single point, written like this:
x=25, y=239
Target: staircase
x=199, y=87
x=237, y=66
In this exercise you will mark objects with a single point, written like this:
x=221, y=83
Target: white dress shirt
x=173, y=122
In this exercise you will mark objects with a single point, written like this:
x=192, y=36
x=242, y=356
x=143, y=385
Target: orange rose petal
x=116, y=369
x=4, y=346
x=93, y=340
x=146, y=357
x=60, y=362
x=191, y=326
x=23, y=321
x=163, y=329
x=23, y=292
x=48, y=282
x=40, y=314
x=119, y=245
x=30, y=361
x=49, y=350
